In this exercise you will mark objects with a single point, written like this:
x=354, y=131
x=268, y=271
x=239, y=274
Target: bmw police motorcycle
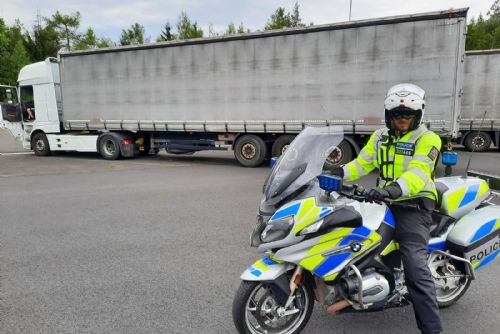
x=323, y=242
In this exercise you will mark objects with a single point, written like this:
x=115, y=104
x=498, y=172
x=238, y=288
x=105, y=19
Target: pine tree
x=281, y=19
x=66, y=27
x=133, y=36
x=166, y=34
x=186, y=29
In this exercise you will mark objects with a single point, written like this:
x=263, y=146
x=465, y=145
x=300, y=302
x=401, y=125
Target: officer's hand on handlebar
x=376, y=194
x=392, y=191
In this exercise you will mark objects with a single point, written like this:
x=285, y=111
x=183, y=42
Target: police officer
x=405, y=153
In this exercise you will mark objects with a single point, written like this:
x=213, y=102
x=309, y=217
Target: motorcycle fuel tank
x=476, y=236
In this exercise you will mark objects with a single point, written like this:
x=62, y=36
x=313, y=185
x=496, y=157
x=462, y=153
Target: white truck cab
x=35, y=115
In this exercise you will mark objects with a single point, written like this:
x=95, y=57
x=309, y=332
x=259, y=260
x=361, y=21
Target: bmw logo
x=356, y=247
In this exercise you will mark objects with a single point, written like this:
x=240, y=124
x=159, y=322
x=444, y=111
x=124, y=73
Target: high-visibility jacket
x=408, y=160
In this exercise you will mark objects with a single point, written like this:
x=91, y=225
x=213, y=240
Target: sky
x=109, y=17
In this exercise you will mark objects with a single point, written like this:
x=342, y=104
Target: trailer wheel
x=341, y=155
x=250, y=150
x=109, y=147
x=477, y=141
x=40, y=144
x=281, y=144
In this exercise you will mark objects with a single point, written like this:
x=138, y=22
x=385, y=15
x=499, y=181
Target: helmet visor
x=403, y=112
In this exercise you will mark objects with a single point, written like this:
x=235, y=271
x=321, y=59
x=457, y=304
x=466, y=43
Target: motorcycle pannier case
x=458, y=196
x=476, y=236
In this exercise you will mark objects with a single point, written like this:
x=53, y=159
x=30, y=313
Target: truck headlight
x=276, y=230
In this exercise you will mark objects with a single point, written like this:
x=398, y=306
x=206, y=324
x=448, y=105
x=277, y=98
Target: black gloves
x=392, y=191
x=376, y=194
x=337, y=171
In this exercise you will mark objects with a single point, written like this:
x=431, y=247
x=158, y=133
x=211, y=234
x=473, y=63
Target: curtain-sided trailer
x=253, y=92
x=480, y=113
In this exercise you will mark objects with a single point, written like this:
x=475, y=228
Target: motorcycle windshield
x=302, y=162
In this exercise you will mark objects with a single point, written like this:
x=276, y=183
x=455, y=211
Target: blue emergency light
x=273, y=161
x=449, y=158
x=330, y=182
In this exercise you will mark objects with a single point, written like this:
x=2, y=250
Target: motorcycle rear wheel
x=448, y=290
x=255, y=310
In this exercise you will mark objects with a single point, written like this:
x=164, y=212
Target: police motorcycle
x=323, y=242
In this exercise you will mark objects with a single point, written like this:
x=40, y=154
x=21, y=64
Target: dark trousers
x=412, y=234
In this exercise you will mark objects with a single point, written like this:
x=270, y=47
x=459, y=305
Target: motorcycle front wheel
x=256, y=311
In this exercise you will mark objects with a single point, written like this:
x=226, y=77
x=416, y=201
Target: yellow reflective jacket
x=408, y=160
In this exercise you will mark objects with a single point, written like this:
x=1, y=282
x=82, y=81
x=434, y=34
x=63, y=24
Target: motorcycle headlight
x=312, y=228
x=257, y=230
x=277, y=229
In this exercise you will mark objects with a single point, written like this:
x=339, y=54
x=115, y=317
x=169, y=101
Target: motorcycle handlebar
x=359, y=193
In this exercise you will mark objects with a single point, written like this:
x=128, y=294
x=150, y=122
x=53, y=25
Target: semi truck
x=480, y=112
x=251, y=92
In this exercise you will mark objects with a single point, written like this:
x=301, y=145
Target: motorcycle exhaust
x=337, y=307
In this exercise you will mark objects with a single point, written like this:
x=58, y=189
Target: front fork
x=294, y=283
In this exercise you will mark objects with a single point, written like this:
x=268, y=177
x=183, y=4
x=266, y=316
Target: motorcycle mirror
x=330, y=182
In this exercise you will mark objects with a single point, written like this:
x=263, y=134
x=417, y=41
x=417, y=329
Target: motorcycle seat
x=441, y=188
x=440, y=223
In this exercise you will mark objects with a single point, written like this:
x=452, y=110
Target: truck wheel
x=109, y=147
x=477, y=141
x=281, y=144
x=341, y=155
x=40, y=144
x=250, y=150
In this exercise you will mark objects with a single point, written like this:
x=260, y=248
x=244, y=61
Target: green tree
x=13, y=54
x=295, y=19
x=186, y=29
x=133, y=36
x=105, y=42
x=42, y=42
x=233, y=30
x=281, y=19
x=66, y=27
x=89, y=40
x=166, y=33
x=241, y=29
x=495, y=9
x=484, y=33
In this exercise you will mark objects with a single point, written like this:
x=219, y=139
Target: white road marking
x=16, y=153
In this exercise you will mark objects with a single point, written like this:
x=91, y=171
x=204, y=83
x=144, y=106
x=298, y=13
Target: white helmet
x=405, y=99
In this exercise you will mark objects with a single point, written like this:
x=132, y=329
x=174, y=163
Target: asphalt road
x=156, y=245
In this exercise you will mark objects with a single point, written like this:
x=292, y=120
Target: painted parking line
x=16, y=153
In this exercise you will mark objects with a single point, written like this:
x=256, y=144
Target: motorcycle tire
x=243, y=304
x=443, y=303
x=447, y=296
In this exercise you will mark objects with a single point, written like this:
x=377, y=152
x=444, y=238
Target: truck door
x=9, y=103
x=11, y=114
